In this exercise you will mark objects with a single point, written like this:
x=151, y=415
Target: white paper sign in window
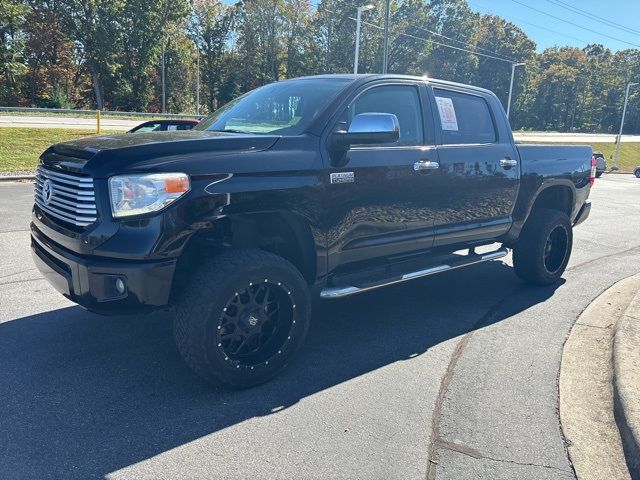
x=447, y=113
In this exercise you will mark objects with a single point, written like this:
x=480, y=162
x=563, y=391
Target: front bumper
x=90, y=281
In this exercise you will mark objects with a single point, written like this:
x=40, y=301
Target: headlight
x=140, y=194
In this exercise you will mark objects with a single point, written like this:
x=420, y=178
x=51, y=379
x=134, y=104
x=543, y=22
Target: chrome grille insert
x=66, y=196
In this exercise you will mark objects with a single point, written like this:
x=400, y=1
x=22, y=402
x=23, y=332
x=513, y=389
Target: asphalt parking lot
x=450, y=377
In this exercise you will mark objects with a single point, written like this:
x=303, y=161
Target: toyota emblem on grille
x=47, y=191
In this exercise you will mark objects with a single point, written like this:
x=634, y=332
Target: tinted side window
x=464, y=118
x=401, y=100
x=152, y=127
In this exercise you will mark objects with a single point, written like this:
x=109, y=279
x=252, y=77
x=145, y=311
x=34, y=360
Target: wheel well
x=556, y=198
x=283, y=234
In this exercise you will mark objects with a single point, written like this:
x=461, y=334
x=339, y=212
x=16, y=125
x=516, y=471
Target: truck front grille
x=65, y=196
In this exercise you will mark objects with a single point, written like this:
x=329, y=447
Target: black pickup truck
x=324, y=186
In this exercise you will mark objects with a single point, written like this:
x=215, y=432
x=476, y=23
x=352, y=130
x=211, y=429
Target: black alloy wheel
x=542, y=252
x=255, y=323
x=555, y=249
x=242, y=317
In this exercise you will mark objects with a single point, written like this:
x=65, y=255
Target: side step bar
x=463, y=261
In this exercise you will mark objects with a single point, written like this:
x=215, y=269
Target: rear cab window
x=464, y=118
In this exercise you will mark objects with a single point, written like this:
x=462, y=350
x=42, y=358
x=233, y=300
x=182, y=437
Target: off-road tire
x=529, y=259
x=199, y=310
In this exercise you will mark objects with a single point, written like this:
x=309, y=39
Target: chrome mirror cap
x=374, y=123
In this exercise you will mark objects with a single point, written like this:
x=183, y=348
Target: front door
x=381, y=205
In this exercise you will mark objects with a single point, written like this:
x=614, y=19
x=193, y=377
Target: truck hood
x=101, y=156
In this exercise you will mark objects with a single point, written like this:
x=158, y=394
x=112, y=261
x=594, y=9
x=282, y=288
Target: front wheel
x=636, y=172
x=543, y=250
x=242, y=318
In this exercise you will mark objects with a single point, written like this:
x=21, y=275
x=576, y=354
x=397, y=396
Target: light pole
x=364, y=8
x=513, y=72
x=624, y=111
x=385, y=43
x=164, y=103
x=198, y=76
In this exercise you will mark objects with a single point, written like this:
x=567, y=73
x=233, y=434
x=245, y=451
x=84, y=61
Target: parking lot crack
x=476, y=454
x=21, y=281
x=528, y=464
x=432, y=456
x=608, y=327
x=17, y=273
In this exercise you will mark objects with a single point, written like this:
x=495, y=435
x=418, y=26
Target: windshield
x=283, y=108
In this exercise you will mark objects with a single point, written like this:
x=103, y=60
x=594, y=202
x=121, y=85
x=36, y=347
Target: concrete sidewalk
x=600, y=388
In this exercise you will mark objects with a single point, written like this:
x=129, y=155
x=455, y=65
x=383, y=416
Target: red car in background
x=164, y=126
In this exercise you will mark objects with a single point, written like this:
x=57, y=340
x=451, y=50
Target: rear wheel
x=636, y=172
x=599, y=174
x=543, y=250
x=242, y=318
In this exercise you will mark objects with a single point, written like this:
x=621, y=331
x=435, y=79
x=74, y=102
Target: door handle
x=508, y=162
x=425, y=165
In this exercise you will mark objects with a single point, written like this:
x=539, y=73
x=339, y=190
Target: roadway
x=449, y=377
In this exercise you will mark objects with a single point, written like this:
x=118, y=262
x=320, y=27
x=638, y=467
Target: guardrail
x=98, y=113
x=102, y=112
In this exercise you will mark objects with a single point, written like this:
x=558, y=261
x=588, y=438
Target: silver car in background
x=601, y=165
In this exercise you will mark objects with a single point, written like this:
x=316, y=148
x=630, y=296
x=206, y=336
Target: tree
x=408, y=53
x=496, y=37
x=12, y=43
x=143, y=28
x=556, y=86
x=53, y=79
x=211, y=25
x=93, y=24
x=451, y=19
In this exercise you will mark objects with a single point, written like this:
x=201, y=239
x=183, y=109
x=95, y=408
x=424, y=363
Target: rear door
x=379, y=204
x=479, y=167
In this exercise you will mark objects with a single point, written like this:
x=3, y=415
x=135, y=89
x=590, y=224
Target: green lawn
x=628, y=158
x=21, y=147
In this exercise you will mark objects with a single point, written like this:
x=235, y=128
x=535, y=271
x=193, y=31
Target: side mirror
x=369, y=129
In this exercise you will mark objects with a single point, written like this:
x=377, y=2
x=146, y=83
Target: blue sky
x=547, y=31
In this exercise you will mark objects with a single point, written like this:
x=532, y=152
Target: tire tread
x=527, y=252
x=192, y=313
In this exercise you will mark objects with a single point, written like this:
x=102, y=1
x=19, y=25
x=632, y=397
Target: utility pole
x=164, y=103
x=329, y=32
x=513, y=72
x=624, y=111
x=198, y=75
x=385, y=47
x=358, y=23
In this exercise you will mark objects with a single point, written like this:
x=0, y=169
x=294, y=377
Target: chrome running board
x=463, y=261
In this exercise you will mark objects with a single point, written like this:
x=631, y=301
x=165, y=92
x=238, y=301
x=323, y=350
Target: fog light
x=120, y=287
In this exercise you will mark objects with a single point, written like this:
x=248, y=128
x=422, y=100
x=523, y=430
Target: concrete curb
x=626, y=383
x=585, y=383
x=14, y=178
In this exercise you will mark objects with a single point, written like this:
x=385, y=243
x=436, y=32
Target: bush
x=60, y=99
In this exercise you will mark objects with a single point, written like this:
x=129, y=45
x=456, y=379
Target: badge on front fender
x=342, y=177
